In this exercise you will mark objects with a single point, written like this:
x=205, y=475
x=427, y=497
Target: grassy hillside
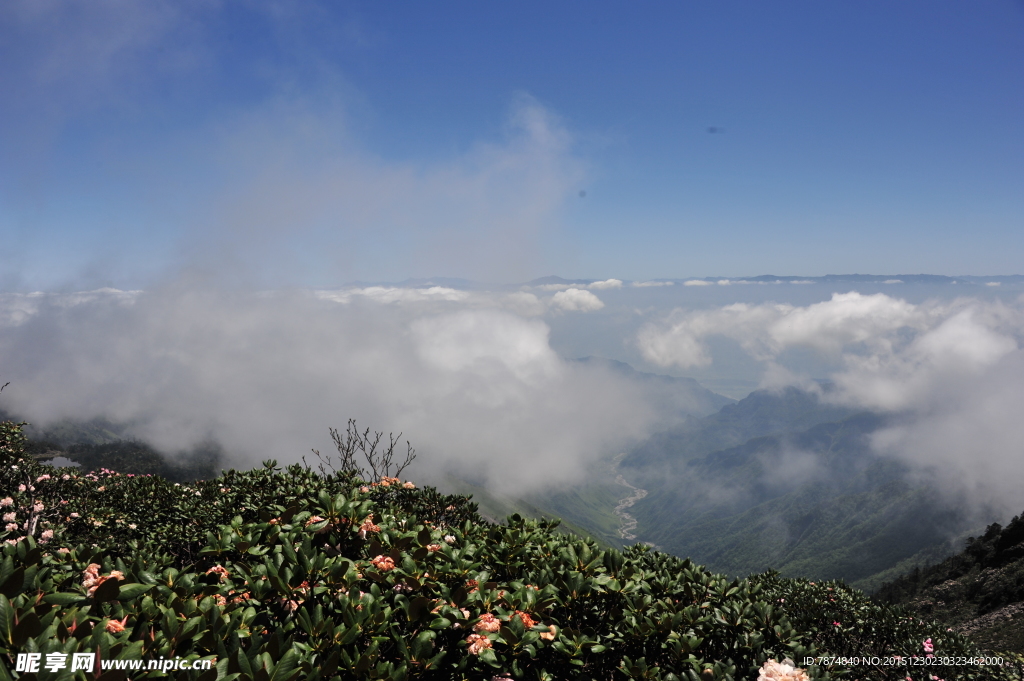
x=291, y=574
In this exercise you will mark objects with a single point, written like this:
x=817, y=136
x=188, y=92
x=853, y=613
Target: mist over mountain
x=785, y=481
x=876, y=407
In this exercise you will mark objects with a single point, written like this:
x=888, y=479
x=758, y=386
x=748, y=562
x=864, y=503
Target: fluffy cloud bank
x=576, y=300
x=473, y=385
x=952, y=372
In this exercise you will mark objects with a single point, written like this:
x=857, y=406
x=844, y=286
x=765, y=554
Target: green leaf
x=64, y=598
x=6, y=619
x=107, y=591
x=130, y=591
x=12, y=585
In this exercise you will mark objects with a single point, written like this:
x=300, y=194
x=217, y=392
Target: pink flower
x=46, y=536
x=383, y=563
x=37, y=507
x=433, y=547
x=11, y=527
x=10, y=517
x=409, y=485
x=487, y=622
x=92, y=580
x=42, y=477
x=75, y=515
x=928, y=647
x=22, y=488
x=478, y=643
x=6, y=501
x=837, y=624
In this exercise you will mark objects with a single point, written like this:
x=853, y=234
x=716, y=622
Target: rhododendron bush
x=294, y=574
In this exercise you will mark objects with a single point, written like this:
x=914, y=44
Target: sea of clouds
x=481, y=380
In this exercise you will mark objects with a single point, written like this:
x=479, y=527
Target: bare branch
x=354, y=442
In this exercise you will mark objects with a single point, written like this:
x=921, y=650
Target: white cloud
x=395, y=294
x=951, y=371
x=698, y=282
x=845, y=319
x=648, y=284
x=606, y=284
x=576, y=300
x=767, y=329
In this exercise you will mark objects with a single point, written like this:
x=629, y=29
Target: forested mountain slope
x=979, y=591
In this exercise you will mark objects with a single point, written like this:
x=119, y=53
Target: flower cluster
x=524, y=618
x=478, y=643
x=488, y=623
x=781, y=671
x=219, y=570
x=368, y=526
x=92, y=580
x=383, y=563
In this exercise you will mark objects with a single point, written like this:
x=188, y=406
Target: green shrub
x=289, y=574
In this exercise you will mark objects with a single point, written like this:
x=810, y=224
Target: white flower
x=10, y=517
x=449, y=539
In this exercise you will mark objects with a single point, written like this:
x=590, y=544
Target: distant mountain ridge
x=554, y=280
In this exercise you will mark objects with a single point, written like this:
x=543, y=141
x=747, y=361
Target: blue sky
x=317, y=143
